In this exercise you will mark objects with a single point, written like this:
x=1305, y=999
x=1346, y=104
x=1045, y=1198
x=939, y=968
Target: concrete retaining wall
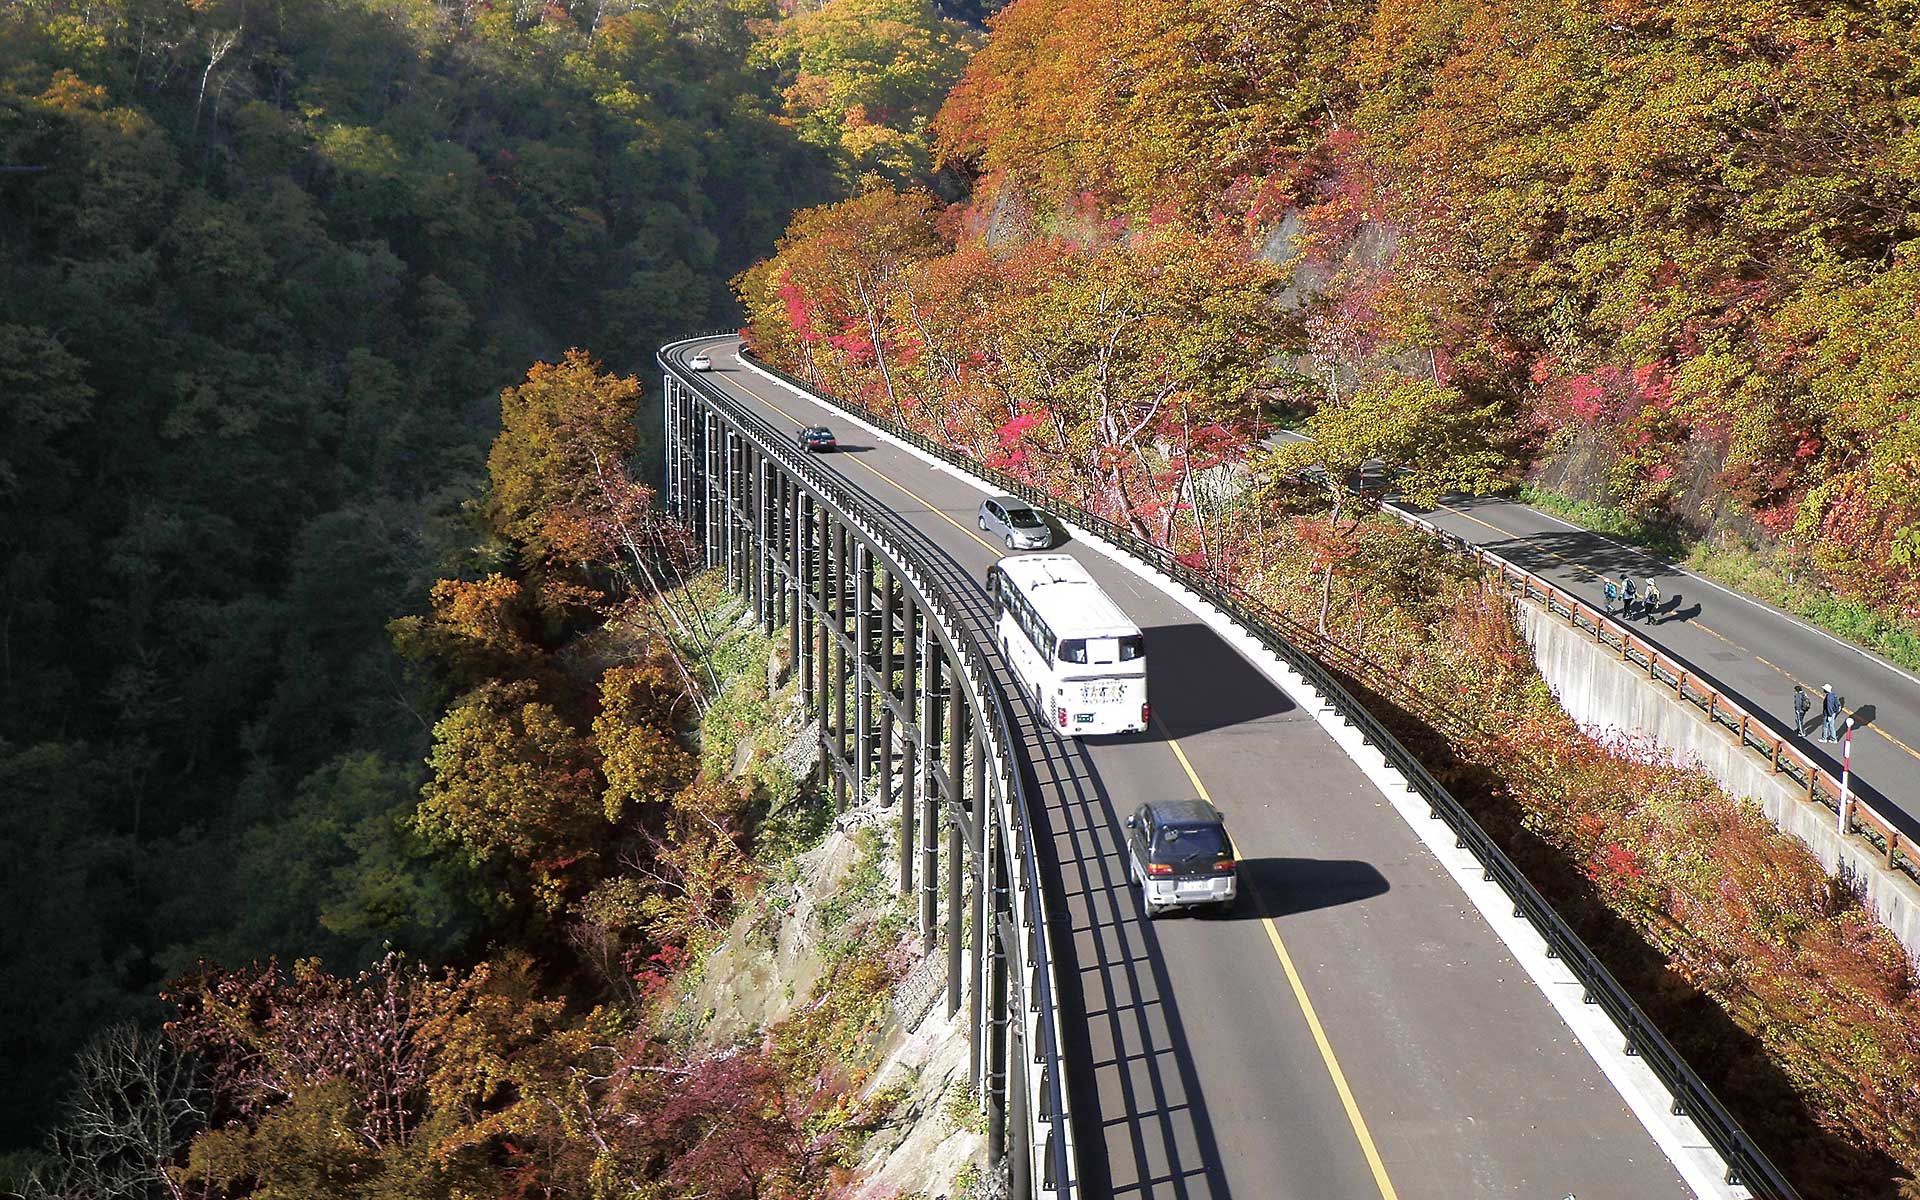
x=1603, y=693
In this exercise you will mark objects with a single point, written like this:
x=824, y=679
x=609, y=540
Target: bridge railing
x=938, y=583
x=1864, y=821
x=1747, y=1164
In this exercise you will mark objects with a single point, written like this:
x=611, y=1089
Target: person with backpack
x=1829, y=715
x=1653, y=601
x=1800, y=706
x=1610, y=594
x=1626, y=597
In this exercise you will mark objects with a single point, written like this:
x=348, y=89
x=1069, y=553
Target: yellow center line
x=1813, y=692
x=931, y=507
x=1320, y=1039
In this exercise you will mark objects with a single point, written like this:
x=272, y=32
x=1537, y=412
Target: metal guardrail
x=1864, y=820
x=938, y=581
x=1747, y=1164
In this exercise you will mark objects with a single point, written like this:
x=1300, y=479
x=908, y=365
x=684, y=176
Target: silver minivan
x=1015, y=523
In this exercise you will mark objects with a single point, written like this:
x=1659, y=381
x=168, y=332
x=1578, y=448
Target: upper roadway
x=1750, y=651
x=1355, y=1031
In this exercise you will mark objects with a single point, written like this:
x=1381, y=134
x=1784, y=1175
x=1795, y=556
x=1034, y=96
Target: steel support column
x=708, y=470
x=888, y=697
x=977, y=1019
x=957, y=812
x=931, y=689
x=863, y=679
x=805, y=613
x=840, y=581
x=822, y=654
x=1020, y=1178
x=910, y=754
x=1000, y=1020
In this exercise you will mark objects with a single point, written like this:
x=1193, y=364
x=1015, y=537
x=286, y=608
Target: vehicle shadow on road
x=1218, y=689
x=1282, y=887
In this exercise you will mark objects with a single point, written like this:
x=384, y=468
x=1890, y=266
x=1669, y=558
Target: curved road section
x=1354, y=1031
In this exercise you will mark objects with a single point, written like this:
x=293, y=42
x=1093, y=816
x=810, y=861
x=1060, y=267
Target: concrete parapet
x=1603, y=693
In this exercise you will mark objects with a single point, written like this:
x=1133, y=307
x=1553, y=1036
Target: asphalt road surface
x=1211, y=1053
x=1751, y=651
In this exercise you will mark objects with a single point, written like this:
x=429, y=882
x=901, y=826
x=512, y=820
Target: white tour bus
x=1081, y=660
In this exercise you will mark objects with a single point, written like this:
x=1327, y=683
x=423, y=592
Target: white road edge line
x=1700, y=1166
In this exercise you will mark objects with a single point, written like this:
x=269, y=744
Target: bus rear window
x=1073, y=650
x=1132, y=648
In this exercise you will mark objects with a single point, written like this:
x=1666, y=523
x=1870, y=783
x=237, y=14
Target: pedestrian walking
x=1626, y=597
x=1829, y=715
x=1653, y=602
x=1800, y=706
x=1611, y=593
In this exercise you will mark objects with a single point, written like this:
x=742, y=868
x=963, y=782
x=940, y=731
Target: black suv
x=1180, y=855
x=817, y=438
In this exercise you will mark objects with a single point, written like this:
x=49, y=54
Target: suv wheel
x=1146, y=901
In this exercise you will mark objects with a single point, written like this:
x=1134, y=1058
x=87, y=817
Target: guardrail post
x=957, y=809
x=910, y=754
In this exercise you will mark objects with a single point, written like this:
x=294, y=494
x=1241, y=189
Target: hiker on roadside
x=1626, y=596
x=1610, y=593
x=1800, y=706
x=1829, y=715
x=1653, y=601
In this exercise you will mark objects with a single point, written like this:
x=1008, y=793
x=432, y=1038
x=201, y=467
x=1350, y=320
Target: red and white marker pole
x=1846, y=773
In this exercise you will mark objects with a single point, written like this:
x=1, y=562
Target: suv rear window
x=1191, y=841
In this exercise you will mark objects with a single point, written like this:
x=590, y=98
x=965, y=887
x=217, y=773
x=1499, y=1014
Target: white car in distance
x=701, y=361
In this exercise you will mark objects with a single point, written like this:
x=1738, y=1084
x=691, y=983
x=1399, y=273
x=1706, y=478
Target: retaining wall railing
x=1865, y=822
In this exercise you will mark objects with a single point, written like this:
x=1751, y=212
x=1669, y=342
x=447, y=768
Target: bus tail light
x=1060, y=715
x=1146, y=713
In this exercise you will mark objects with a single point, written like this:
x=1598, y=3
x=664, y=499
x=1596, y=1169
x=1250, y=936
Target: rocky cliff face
x=783, y=960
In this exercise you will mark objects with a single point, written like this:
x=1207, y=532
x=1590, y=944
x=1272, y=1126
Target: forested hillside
x=264, y=269
x=1675, y=244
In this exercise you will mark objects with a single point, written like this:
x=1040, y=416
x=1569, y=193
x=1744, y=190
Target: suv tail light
x=1146, y=713
x=1225, y=864
x=1159, y=869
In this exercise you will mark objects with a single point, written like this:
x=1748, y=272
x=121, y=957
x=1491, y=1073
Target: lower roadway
x=1354, y=1031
